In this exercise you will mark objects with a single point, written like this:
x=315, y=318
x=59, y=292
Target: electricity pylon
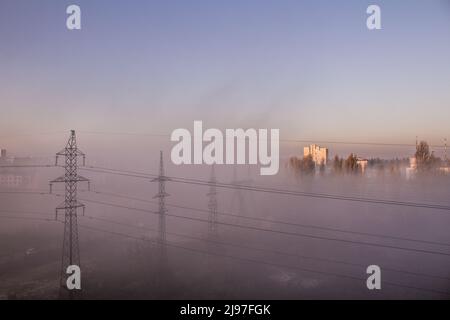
x=212, y=204
x=161, y=195
x=71, y=251
x=445, y=151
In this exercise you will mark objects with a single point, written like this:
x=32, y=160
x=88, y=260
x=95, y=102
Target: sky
x=309, y=68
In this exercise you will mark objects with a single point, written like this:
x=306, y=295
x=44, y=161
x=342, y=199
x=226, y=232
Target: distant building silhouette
x=11, y=177
x=319, y=154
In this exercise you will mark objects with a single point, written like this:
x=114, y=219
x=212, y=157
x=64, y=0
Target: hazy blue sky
x=310, y=68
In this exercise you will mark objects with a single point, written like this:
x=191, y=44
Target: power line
x=322, y=196
x=25, y=134
x=127, y=173
x=274, y=190
x=236, y=187
x=259, y=229
x=245, y=259
x=381, y=144
x=24, y=212
x=25, y=218
x=265, y=250
x=337, y=275
x=124, y=134
x=216, y=242
x=283, y=253
x=287, y=140
x=25, y=192
x=29, y=166
x=330, y=229
x=278, y=231
x=288, y=223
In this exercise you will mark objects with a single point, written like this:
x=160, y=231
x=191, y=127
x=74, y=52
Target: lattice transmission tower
x=445, y=152
x=70, y=251
x=212, y=203
x=161, y=195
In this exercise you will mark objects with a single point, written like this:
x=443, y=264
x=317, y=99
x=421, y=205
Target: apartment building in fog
x=319, y=154
x=16, y=177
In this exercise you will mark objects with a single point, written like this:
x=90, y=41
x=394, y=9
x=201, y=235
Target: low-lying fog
x=315, y=247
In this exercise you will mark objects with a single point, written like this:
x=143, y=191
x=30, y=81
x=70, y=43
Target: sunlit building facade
x=319, y=154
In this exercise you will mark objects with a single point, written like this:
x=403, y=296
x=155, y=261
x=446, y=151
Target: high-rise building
x=319, y=154
x=3, y=153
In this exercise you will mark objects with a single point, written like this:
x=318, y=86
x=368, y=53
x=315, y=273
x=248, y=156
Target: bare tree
x=426, y=161
x=305, y=166
x=351, y=164
x=337, y=164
